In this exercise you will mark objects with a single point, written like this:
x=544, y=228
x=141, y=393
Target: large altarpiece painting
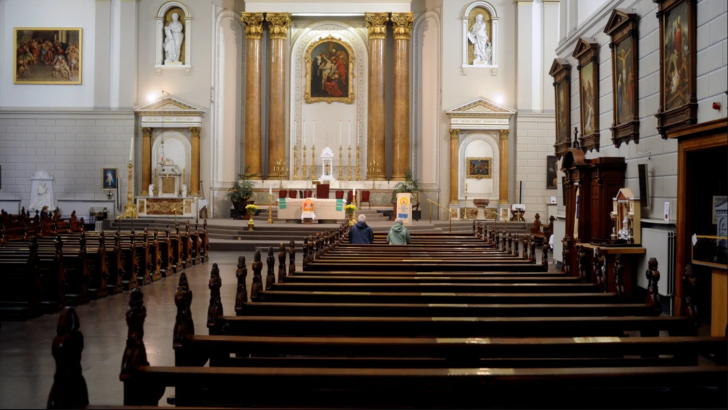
x=622, y=28
x=560, y=71
x=329, y=71
x=587, y=53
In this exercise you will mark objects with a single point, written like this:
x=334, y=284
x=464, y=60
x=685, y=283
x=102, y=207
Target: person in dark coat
x=361, y=233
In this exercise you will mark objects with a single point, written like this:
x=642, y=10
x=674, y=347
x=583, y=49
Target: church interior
x=377, y=203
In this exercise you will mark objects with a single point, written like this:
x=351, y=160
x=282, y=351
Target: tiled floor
x=27, y=365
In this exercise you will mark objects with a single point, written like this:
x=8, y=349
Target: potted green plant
x=410, y=185
x=240, y=194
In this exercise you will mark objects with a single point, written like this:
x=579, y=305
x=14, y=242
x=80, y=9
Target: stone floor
x=27, y=365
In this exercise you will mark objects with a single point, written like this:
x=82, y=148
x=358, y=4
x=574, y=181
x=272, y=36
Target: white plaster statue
x=173, y=40
x=43, y=199
x=151, y=190
x=479, y=37
x=184, y=191
x=624, y=232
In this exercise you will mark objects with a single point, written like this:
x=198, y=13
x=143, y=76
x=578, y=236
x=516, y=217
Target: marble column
x=146, y=160
x=503, y=173
x=253, y=96
x=195, y=163
x=454, y=165
x=278, y=26
x=402, y=24
x=376, y=167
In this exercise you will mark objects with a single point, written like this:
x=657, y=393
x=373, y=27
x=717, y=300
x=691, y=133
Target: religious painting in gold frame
x=479, y=168
x=622, y=28
x=560, y=71
x=48, y=55
x=329, y=72
x=587, y=53
x=678, y=46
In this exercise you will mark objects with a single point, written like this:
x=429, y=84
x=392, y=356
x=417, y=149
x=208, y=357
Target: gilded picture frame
x=109, y=179
x=48, y=55
x=587, y=53
x=678, y=65
x=479, y=168
x=560, y=72
x=623, y=30
x=329, y=64
x=552, y=169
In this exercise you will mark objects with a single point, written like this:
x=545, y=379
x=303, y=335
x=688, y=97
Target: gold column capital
x=253, y=25
x=504, y=134
x=279, y=23
x=195, y=131
x=147, y=131
x=377, y=23
x=454, y=133
x=402, y=24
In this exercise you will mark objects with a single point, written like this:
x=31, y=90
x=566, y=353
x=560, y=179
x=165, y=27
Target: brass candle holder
x=341, y=163
x=358, y=163
x=270, y=208
x=466, y=202
x=349, y=177
x=303, y=177
x=130, y=211
x=295, y=162
x=313, y=163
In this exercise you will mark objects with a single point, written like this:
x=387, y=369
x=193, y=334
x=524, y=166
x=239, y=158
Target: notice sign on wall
x=404, y=208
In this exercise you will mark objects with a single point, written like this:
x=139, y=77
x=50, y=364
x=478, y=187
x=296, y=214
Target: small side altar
x=169, y=207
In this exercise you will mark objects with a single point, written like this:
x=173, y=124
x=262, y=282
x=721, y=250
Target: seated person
x=398, y=235
x=361, y=233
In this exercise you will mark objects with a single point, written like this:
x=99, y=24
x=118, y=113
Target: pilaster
x=253, y=97
x=376, y=130
x=402, y=24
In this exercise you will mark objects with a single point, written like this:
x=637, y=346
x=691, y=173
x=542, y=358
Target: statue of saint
x=151, y=190
x=479, y=37
x=43, y=199
x=184, y=191
x=173, y=40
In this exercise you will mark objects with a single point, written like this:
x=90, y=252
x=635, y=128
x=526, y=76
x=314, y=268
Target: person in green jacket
x=398, y=235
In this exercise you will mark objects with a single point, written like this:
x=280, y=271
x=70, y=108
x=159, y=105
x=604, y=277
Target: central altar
x=169, y=207
x=323, y=209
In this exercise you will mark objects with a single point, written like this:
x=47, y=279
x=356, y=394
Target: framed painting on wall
x=678, y=104
x=109, y=179
x=551, y=172
x=48, y=55
x=329, y=71
x=587, y=53
x=479, y=168
x=560, y=71
x=622, y=28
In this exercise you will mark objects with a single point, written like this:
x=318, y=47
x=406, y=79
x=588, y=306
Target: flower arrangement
x=251, y=209
x=350, y=209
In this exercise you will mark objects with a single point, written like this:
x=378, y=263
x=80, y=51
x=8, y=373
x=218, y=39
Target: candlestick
x=358, y=163
x=349, y=173
x=341, y=161
x=295, y=162
x=270, y=208
x=313, y=163
x=304, y=177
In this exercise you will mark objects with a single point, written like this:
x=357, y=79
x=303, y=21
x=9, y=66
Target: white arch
x=179, y=134
x=490, y=137
x=160, y=36
x=485, y=5
x=301, y=41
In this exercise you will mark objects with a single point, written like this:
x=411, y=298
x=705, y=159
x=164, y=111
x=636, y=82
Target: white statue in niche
x=479, y=37
x=42, y=200
x=173, y=41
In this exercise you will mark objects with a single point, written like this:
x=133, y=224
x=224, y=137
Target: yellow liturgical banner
x=404, y=208
x=308, y=205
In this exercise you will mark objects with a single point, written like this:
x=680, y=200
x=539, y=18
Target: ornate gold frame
x=103, y=175
x=490, y=168
x=307, y=95
x=623, y=27
x=80, y=55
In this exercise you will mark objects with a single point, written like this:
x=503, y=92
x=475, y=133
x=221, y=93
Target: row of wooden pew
x=42, y=275
x=43, y=225
x=396, y=337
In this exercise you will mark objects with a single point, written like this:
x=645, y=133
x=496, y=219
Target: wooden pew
x=21, y=287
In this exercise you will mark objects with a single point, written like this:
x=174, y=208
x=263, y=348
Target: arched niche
x=176, y=147
x=477, y=144
x=163, y=17
x=490, y=17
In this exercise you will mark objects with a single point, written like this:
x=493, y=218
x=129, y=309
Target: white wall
x=47, y=13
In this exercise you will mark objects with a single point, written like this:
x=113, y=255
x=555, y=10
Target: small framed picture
x=109, y=179
x=504, y=213
x=551, y=171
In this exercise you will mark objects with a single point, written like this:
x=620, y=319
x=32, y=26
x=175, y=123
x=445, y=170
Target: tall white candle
x=131, y=150
x=294, y=132
x=314, y=134
x=304, y=133
x=349, y=133
x=270, y=191
x=357, y=133
x=340, y=143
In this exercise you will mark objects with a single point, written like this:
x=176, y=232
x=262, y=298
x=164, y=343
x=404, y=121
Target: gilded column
x=504, y=166
x=377, y=23
x=146, y=160
x=402, y=24
x=454, y=162
x=195, y=162
x=253, y=74
x=278, y=26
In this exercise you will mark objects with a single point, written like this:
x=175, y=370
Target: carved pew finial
x=689, y=290
x=653, y=277
x=215, y=310
x=257, y=284
x=619, y=275
x=183, y=300
x=69, y=387
x=282, y=263
x=135, y=354
x=241, y=295
x=270, y=278
x=305, y=254
x=292, y=258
